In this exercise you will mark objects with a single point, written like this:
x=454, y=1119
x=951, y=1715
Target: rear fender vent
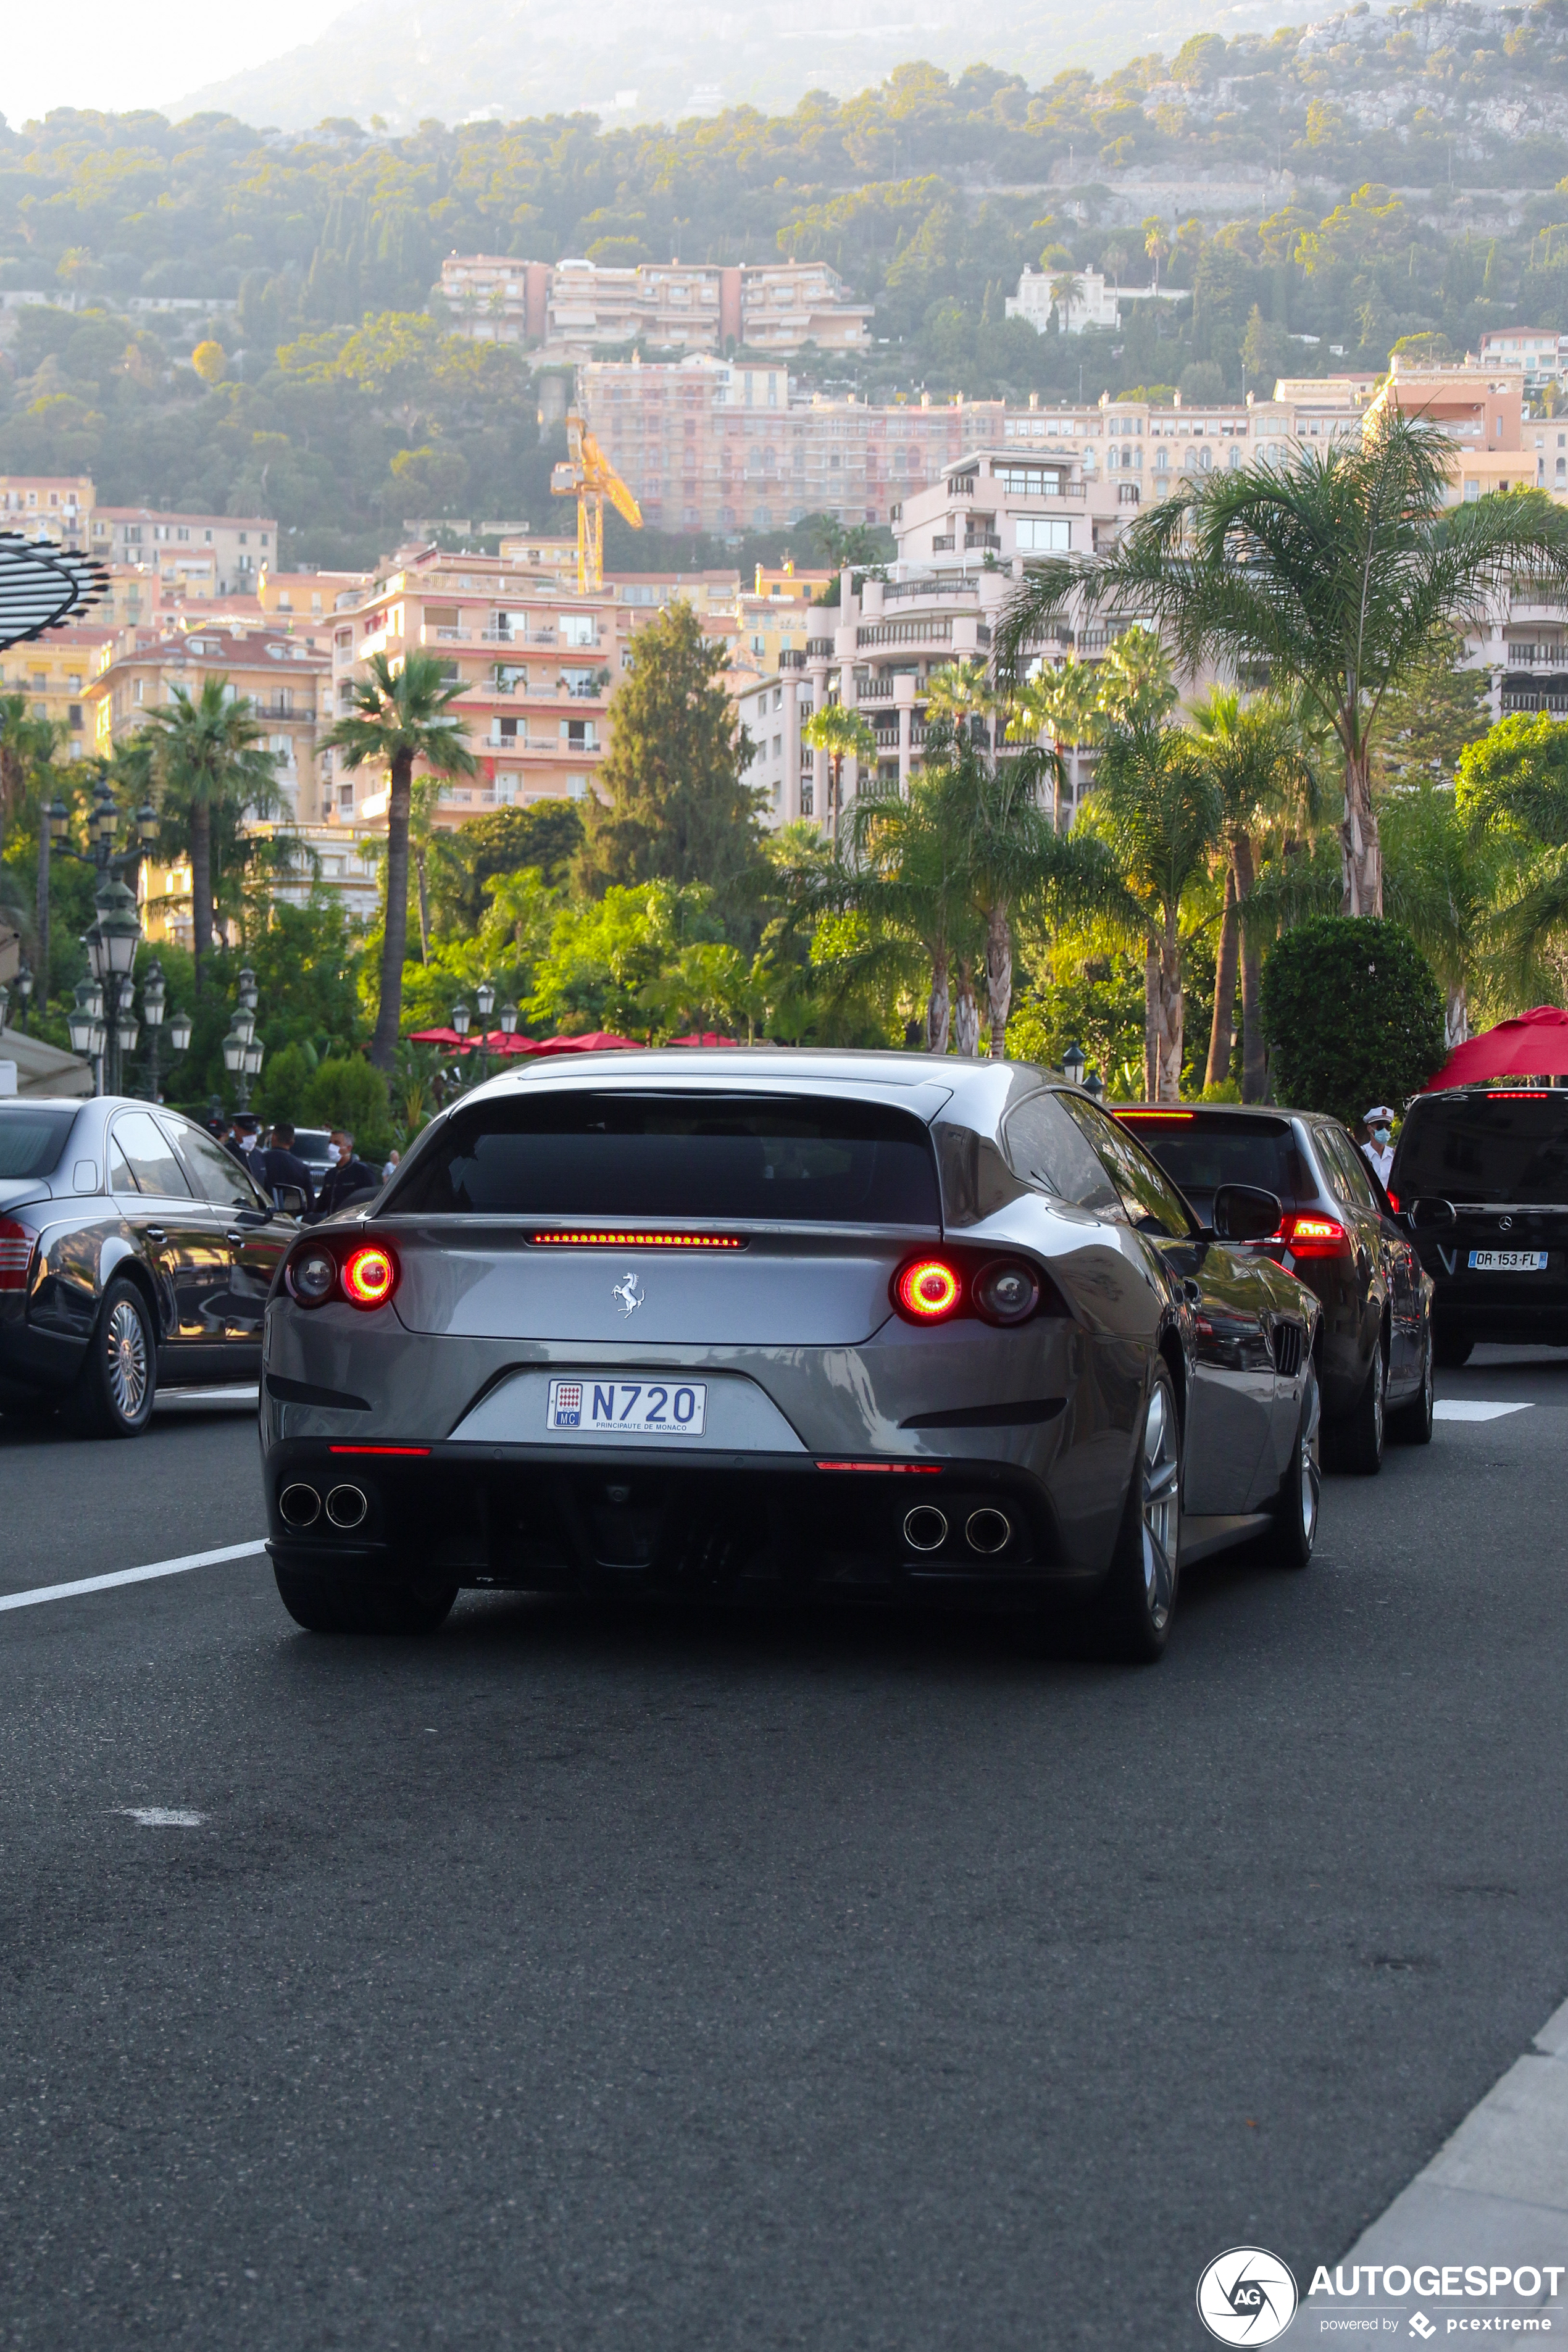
x=1289, y=1349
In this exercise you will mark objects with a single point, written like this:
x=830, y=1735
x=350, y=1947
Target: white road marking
x=1467, y=1409
x=131, y=1575
x=162, y=1817
x=166, y=1397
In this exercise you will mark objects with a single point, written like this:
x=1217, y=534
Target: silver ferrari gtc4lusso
x=789, y=1321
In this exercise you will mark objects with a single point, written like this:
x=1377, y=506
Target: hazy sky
x=101, y=53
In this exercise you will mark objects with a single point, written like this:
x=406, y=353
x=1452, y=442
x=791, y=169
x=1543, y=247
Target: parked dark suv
x=1499, y=1154
x=1339, y=1235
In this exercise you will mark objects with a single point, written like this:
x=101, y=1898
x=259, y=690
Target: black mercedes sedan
x=1340, y=1235
x=135, y=1253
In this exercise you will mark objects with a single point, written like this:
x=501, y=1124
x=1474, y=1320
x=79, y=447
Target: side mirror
x=291, y=1200
x=1245, y=1212
x=1428, y=1214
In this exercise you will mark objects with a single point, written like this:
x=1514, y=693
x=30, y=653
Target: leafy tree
x=1438, y=707
x=1353, y=1013
x=1443, y=883
x=1511, y=799
x=350, y=1092
x=399, y=719
x=606, y=953
x=206, y=750
x=678, y=809
x=843, y=734
x=1333, y=569
x=1253, y=753
x=547, y=835
x=1159, y=811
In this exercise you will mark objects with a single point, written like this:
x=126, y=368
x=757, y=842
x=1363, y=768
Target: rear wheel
x=1140, y=1590
x=1411, y=1423
x=398, y=1602
x=1296, y=1509
x=1359, y=1438
x=1451, y=1348
x=114, y=1392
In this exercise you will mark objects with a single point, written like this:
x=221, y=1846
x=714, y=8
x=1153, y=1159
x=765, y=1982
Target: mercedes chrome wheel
x=115, y=1387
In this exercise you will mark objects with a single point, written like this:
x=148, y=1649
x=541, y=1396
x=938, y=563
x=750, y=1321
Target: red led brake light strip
x=903, y=1469
x=598, y=1238
x=421, y=1449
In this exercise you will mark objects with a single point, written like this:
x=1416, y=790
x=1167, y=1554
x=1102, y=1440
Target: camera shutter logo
x=1246, y=2297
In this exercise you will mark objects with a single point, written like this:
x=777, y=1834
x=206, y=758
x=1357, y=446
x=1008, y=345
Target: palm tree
x=1069, y=697
x=843, y=734
x=1446, y=883
x=1136, y=686
x=25, y=742
x=1330, y=570
x=399, y=718
x=1253, y=752
x=907, y=875
x=1159, y=813
x=206, y=752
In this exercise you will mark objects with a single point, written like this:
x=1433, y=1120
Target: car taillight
x=312, y=1276
x=1394, y=1202
x=1314, y=1236
x=17, y=1243
x=370, y=1274
x=927, y=1290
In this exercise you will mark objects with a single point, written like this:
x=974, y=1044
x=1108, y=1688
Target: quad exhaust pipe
x=301, y=1505
x=986, y=1531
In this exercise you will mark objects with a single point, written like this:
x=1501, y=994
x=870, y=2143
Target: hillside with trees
x=1308, y=200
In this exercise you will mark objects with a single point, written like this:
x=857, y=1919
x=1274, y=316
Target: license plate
x=1508, y=1261
x=636, y=1408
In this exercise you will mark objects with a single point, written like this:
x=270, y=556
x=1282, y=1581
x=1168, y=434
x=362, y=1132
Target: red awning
x=597, y=1041
x=707, y=1039
x=1534, y=1044
x=497, y=1042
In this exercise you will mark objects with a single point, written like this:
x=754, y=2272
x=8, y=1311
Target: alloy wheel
x=1161, y=1473
x=125, y=1343
x=1311, y=1471
x=1378, y=1383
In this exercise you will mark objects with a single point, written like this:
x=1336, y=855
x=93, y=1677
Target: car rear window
x=1201, y=1151
x=31, y=1141
x=781, y=1159
x=1492, y=1146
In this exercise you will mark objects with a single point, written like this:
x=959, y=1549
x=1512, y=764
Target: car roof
x=974, y=1092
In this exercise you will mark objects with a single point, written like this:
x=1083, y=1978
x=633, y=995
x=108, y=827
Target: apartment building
x=574, y=307
x=723, y=446
x=55, y=673
x=308, y=598
x=56, y=504
x=286, y=679
x=535, y=664
x=1539, y=353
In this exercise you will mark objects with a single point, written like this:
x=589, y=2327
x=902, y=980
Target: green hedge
x=1352, y=1016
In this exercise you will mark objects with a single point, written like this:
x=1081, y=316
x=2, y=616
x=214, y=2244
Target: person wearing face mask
x=347, y=1176
x=1378, y=1150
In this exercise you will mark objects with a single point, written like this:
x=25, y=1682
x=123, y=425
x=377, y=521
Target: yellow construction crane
x=588, y=476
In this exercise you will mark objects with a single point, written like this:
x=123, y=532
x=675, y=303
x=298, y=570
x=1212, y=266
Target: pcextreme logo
x=1246, y=2297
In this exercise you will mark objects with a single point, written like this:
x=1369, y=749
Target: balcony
x=990, y=539
x=943, y=545
x=819, y=649
x=875, y=689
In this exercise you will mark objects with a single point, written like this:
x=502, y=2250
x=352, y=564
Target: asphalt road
x=678, y=1981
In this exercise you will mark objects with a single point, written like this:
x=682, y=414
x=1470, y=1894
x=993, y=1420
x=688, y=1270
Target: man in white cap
x=1378, y=1150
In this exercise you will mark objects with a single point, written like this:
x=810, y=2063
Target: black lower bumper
x=522, y=1520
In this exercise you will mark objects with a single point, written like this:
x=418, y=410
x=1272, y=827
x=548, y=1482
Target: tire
x=1138, y=1597
x=114, y=1389
x=1451, y=1349
x=1359, y=1438
x=1411, y=1423
x=1296, y=1506
x=362, y=1604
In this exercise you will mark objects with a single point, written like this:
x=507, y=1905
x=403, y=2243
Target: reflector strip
x=904, y=1469
x=599, y=1239
x=378, y=1449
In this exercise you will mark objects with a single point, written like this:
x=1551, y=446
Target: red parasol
x=1534, y=1044
x=597, y=1041
x=707, y=1039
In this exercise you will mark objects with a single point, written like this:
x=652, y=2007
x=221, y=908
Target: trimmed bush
x=348, y=1092
x=1352, y=1016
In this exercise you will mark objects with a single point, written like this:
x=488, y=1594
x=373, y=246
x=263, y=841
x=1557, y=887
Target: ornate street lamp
x=485, y=998
x=233, y=1061
x=1074, y=1064
x=5, y=1005
x=509, y=1017
x=111, y=951
x=79, y=1020
x=180, y=1029
x=25, y=991
x=246, y=990
x=154, y=1002
x=1094, y=1086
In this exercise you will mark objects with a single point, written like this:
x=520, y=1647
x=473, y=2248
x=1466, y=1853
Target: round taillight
x=369, y=1275
x=928, y=1289
x=1006, y=1292
x=313, y=1276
